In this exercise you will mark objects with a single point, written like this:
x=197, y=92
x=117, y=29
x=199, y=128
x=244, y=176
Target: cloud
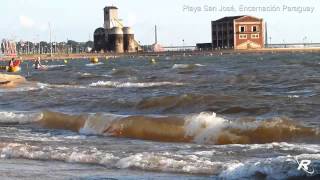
x=26, y=22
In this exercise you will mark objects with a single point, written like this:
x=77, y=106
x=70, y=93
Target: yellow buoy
x=94, y=60
x=14, y=69
x=66, y=61
x=5, y=68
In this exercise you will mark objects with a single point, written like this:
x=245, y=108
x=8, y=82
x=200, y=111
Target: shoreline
x=162, y=54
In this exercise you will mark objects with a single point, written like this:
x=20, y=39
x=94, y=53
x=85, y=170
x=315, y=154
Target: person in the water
x=11, y=63
x=37, y=63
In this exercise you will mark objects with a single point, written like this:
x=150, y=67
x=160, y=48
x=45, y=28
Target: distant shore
x=161, y=54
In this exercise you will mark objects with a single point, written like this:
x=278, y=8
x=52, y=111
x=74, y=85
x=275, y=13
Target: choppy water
x=225, y=117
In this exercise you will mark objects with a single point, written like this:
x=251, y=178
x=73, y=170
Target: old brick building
x=238, y=32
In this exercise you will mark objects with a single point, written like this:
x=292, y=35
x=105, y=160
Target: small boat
x=15, y=68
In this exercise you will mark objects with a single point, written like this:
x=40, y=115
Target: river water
x=249, y=116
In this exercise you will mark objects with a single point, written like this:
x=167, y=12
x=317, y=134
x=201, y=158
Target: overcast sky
x=77, y=19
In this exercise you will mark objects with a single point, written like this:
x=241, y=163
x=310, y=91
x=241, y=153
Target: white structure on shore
x=8, y=48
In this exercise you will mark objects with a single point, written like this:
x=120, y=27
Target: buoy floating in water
x=5, y=68
x=14, y=69
x=153, y=61
x=94, y=60
x=66, y=61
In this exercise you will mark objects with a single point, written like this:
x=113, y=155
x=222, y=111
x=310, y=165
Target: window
x=255, y=36
x=243, y=36
x=254, y=29
x=242, y=28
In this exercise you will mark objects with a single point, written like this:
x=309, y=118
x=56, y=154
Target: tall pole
x=270, y=38
x=39, y=51
x=266, y=38
x=28, y=50
x=155, y=34
x=55, y=44
x=50, y=39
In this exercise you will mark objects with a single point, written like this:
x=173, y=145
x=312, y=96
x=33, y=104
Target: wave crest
x=204, y=128
x=116, y=84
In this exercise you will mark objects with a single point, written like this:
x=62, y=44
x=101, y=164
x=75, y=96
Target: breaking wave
x=116, y=84
x=204, y=128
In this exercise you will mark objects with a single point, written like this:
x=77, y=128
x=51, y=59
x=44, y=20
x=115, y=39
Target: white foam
x=293, y=96
x=180, y=66
x=282, y=167
x=117, y=84
x=200, y=65
x=77, y=157
x=19, y=117
x=97, y=124
x=54, y=66
x=42, y=85
x=158, y=162
x=204, y=127
x=24, y=151
x=92, y=64
x=186, y=66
